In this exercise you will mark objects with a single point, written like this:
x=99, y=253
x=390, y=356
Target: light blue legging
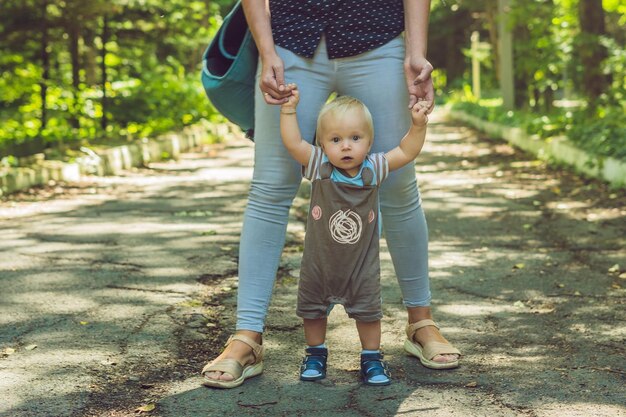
x=377, y=79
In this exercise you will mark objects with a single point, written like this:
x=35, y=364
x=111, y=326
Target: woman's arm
x=417, y=69
x=272, y=82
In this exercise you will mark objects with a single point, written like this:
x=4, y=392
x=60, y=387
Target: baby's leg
x=369, y=333
x=313, y=366
x=373, y=369
x=315, y=331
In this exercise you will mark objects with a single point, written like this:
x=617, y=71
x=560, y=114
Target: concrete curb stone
x=558, y=149
x=105, y=162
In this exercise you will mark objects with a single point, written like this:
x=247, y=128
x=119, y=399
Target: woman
x=355, y=48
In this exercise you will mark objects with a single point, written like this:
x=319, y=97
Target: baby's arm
x=412, y=143
x=299, y=149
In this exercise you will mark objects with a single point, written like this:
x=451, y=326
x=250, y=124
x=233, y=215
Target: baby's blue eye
x=356, y=138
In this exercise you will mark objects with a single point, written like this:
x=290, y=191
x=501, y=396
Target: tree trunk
x=455, y=60
x=74, y=35
x=105, y=39
x=45, y=63
x=591, y=19
x=491, y=15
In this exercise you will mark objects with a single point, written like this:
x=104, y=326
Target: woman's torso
x=350, y=27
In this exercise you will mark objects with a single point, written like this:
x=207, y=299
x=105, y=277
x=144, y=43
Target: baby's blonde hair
x=338, y=107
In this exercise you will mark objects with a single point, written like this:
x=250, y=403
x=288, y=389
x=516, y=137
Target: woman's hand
x=272, y=82
x=419, y=82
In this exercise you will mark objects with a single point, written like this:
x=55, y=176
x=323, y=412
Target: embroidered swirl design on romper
x=345, y=227
x=316, y=212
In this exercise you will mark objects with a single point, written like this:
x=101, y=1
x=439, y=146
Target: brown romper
x=340, y=264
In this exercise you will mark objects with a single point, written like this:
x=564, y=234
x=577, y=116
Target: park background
x=116, y=290
x=97, y=73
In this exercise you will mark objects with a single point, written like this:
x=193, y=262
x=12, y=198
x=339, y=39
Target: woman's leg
x=274, y=184
x=377, y=78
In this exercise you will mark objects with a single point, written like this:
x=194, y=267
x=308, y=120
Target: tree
x=592, y=52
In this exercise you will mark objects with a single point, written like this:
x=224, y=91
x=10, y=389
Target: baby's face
x=346, y=139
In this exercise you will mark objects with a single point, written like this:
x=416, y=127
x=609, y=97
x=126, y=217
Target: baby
x=340, y=264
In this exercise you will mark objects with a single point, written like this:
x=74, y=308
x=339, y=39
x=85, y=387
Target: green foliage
x=569, y=79
x=151, y=51
x=604, y=134
x=601, y=133
x=163, y=99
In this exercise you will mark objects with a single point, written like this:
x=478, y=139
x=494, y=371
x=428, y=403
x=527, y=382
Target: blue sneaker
x=313, y=366
x=374, y=370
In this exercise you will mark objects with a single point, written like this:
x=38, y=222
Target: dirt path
x=116, y=290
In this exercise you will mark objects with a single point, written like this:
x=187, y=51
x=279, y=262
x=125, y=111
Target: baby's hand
x=419, y=113
x=293, y=99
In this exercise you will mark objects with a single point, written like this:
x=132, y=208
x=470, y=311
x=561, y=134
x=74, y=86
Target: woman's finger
x=272, y=89
x=423, y=75
x=279, y=78
x=273, y=98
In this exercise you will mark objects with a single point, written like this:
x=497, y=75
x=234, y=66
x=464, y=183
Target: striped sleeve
x=381, y=167
x=312, y=169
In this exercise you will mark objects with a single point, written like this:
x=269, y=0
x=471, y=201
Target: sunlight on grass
x=490, y=102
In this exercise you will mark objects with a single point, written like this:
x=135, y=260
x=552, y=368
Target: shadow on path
x=127, y=286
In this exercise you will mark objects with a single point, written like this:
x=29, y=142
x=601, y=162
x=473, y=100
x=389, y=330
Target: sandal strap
x=257, y=349
x=433, y=349
x=411, y=328
x=228, y=366
x=312, y=363
x=316, y=351
x=315, y=358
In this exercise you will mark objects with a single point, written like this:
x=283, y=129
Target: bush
x=602, y=132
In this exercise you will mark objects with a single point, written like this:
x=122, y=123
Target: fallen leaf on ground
x=84, y=323
x=614, y=268
x=8, y=351
x=519, y=304
x=472, y=384
x=30, y=347
x=519, y=266
x=145, y=408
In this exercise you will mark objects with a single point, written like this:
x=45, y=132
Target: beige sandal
x=233, y=367
x=427, y=352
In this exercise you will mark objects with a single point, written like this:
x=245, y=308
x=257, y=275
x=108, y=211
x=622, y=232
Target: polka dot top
x=351, y=27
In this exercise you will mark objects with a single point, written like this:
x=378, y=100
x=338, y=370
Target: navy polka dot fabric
x=351, y=27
